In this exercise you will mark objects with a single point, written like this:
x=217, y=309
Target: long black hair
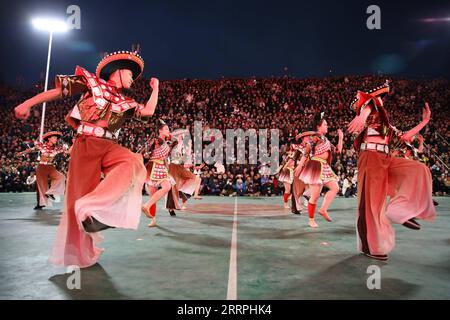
x=316, y=120
x=159, y=125
x=154, y=138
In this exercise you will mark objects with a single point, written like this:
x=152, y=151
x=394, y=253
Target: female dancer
x=186, y=182
x=157, y=170
x=46, y=169
x=287, y=173
x=299, y=189
x=317, y=172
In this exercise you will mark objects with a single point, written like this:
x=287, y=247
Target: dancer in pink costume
x=92, y=204
x=158, y=182
x=299, y=190
x=186, y=182
x=286, y=174
x=46, y=169
x=317, y=173
x=379, y=174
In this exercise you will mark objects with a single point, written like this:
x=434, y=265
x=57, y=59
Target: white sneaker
x=183, y=207
x=286, y=205
x=312, y=223
x=153, y=223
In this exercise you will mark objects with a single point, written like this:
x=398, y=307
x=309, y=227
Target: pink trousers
x=115, y=200
x=407, y=182
x=44, y=172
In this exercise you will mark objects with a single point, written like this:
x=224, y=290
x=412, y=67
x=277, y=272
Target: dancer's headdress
x=51, y=134
x=120, y=60
x=375, y=96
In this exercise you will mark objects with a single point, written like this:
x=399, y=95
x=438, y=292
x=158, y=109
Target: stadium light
x=51, y=26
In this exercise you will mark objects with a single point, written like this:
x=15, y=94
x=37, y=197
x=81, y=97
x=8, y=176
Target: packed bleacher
x=284, y=103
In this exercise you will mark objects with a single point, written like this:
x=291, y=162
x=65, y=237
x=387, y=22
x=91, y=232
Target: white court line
x=232, y=273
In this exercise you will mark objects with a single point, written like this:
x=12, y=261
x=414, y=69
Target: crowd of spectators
x=286, y=104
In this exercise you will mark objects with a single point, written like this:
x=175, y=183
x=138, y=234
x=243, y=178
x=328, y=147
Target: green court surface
x=274, y=255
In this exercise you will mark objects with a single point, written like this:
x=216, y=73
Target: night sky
x=211, y=39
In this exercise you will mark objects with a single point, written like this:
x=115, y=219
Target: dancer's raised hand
x=426, y=115
x=154, y=83
x=22, y=111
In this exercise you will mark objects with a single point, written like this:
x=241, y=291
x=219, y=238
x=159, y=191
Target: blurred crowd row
x=286, y=104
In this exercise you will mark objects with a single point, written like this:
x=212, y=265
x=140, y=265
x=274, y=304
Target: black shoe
x=381, y=257
x=172, y=212
x=50, y=196
x=412, y=224
x=306, y=197
x=296, y=212
x=93, y=225
x=435, y=203
x=38, y=207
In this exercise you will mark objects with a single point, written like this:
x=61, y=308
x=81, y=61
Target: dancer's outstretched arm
x=303, y=159
x=420, y=149
x=20, y=154
x=35, y=148
x=358, y=123
x=426, y=115
x=150, y=107
x=341, y=141
x=22, y=111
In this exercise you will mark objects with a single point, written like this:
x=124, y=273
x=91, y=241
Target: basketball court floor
x=225, y=248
